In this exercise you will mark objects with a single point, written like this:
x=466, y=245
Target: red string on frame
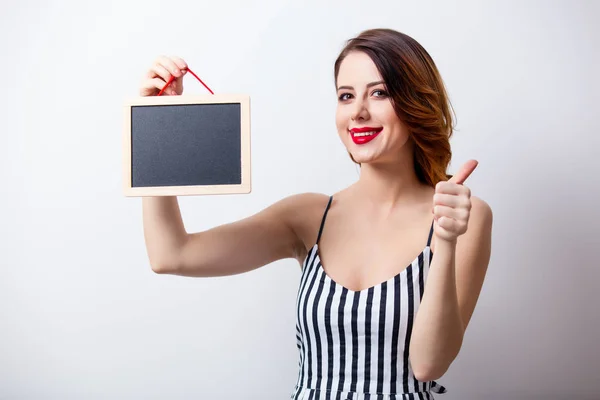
x=172, y=78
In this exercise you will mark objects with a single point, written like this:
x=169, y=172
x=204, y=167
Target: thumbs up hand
x=452, y=204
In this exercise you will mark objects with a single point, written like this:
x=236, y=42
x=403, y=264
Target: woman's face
x=365, y=117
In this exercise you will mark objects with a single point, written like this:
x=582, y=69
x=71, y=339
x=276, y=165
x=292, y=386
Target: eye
x=344, y=96
x=382, y=93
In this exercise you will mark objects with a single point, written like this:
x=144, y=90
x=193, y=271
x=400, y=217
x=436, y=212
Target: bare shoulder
x=302, y=200
x=303, y=213
x=481, y=212
x=480, y=225
x=297, y=205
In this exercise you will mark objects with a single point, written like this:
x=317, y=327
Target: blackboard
x=187, y=145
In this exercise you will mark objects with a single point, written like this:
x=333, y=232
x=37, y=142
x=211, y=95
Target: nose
x=360, y=110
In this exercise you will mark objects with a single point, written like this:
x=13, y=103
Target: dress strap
x=323, y=219
x=430, y=234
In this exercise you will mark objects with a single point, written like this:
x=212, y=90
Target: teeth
x=365, y=133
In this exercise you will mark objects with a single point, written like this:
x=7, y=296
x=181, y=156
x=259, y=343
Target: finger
x=457, y=214
x=448, y=200
x=448, y=187
x=179, y=86
x=155, y=85
x=149, y=86
x=448, y=224
x=157, y=70
x=181, y=64
x=439, y=225
x=169, y=65
x=464, y=172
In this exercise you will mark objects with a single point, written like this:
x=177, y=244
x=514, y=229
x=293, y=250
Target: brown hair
x=418, y=96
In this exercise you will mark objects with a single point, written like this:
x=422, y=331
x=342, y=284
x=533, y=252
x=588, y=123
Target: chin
x=364, y=158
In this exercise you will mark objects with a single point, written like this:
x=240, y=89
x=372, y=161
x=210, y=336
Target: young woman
x=377, y=314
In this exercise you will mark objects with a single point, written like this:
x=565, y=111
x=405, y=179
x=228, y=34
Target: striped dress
x=354, y=344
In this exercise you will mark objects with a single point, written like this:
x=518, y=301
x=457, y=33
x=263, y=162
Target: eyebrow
x=368, y=85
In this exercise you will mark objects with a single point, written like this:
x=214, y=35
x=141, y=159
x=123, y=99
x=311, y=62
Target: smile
x=364, y=135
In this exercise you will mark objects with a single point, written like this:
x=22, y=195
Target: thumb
x=463, y=173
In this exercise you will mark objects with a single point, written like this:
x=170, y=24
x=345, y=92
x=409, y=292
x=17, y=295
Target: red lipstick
x=364, y=135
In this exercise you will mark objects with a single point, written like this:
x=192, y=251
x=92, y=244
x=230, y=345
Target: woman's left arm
x=455, y=277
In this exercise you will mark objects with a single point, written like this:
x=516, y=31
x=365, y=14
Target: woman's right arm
x=233, y=248
x=228, y=249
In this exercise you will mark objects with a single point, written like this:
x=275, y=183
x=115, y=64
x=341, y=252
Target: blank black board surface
x=187, y=145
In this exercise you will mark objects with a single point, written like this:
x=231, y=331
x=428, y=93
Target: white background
x=82, y=316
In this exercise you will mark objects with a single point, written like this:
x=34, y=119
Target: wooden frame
x=243, y=188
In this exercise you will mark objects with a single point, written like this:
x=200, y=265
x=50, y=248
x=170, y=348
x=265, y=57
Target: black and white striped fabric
x=354, y=345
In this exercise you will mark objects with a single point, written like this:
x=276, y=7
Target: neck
x=388, y=185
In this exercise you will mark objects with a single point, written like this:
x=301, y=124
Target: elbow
x=429, y=366
x=163, y=266
x=166, y=263
x=431, y=370
x=429, y=373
